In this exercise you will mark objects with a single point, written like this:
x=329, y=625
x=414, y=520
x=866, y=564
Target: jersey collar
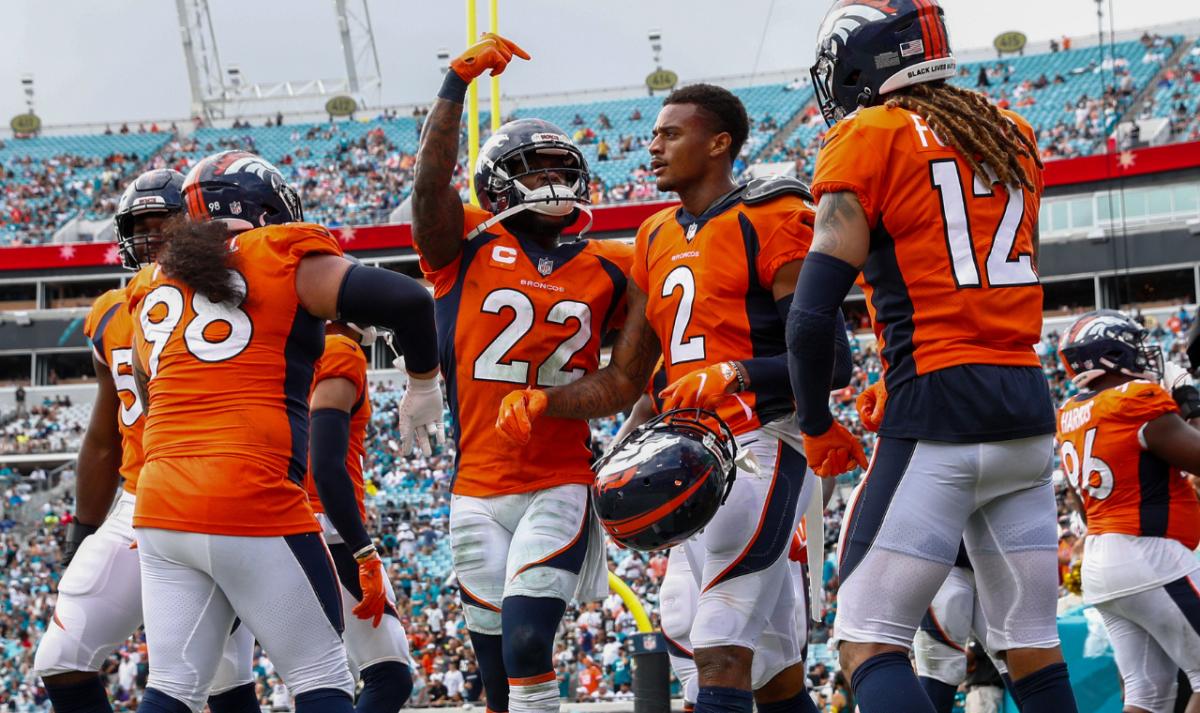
x=692, y=224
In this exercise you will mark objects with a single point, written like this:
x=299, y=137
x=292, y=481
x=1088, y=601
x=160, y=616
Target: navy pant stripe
x=310, y=553
x=892, y=456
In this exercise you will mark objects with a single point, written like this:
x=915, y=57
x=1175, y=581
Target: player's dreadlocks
x=196, y=254
x=972, y=125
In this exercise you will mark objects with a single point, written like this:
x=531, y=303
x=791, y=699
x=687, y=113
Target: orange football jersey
x=950, y=279
x=226, y=435
x=1125, y=488
x=344, y=359
x=708, y=284
x=109, y=329
x=510, y=315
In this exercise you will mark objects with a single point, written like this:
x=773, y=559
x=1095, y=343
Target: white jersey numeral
x=689, y=349
x=490, y=364
x=1002, y=269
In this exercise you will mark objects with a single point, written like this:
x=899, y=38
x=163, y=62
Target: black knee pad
x=386, y=687
x=529, y=625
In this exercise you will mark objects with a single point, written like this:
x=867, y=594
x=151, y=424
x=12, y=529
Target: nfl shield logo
x=691, y=232
x=545, y=266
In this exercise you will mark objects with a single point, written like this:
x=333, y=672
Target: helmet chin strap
x=573, y=204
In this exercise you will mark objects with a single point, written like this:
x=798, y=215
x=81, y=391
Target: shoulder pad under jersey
x=768, y=188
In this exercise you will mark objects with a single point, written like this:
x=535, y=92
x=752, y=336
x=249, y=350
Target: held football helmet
x=868, y=48
x=1106, y=341
x=157, y=192
x=664, y=481
x=242, y=190
x=508, y=156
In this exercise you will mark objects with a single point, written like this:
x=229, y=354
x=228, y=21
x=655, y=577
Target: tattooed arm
x=437, y=222
x=841, y=230
x=841, y=240
x=617, y=386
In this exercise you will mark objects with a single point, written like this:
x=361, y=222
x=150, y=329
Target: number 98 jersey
x=1125, y=488
x=511, y=315
x=226, y=435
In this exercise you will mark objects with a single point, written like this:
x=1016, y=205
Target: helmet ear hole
x=851, y=79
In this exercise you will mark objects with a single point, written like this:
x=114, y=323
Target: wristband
x=454, y=88
x=365, y=553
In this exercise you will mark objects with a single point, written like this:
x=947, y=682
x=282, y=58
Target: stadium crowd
x=408, y=511
x=355, y=173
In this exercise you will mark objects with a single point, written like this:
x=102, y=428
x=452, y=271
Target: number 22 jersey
x=511, y=314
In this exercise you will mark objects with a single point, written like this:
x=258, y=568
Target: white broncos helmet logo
x=844, y=20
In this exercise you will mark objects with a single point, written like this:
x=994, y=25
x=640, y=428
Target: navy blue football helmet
x=508, y=156
x=664, y=481
x=1106, y=341
x=868, y=48
x=240, y=189
x=156, y=192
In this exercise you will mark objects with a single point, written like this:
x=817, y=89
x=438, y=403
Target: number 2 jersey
x=950, y=281
x=511, y=314
x=344, y=359
x=109, y=330
x=708, y=283
x=226, y=435
x=1143, y=517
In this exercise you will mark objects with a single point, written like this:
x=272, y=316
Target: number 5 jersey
x=511, y=314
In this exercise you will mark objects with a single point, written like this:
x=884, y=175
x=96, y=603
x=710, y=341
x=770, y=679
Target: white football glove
x=1175, y=376
x=420, y=416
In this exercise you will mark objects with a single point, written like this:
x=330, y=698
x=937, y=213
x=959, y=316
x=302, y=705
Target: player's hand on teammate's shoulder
x=834, y=452
x=518, y=411
x=703, y=388
x=491, y=52
x=420, y=415
x=870, y=404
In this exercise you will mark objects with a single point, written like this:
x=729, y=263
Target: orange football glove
x=834, y=452
x=870, y=405
x=702, y=388
x=374, y=592
x=518, y=411
x=491, y=52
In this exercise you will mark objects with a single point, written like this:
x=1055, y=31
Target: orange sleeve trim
x=831, y=186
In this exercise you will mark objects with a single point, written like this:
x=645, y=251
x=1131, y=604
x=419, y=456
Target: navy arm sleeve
x=812, y=331
x=329, y=440
x=382, y=298
x=771, y=374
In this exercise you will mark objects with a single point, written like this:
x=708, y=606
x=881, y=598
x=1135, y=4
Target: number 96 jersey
x=511, y=315
x=1125, y=488
x=226, y=435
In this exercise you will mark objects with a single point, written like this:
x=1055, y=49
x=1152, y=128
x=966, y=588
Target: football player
x=932, y=194
x=1125, y=440
x=340, y=409
x=954, y=615
x=516, y=306
x=100, y=597
x=228, y=324
x=712, y=282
